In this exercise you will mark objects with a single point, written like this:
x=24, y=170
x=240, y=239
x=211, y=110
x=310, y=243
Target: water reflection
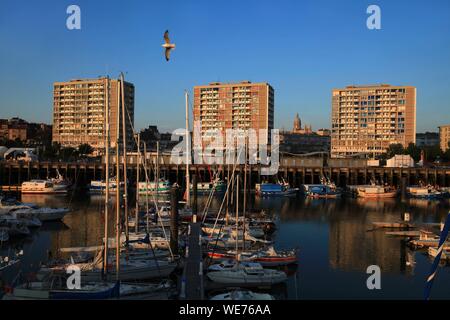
x=334, y=236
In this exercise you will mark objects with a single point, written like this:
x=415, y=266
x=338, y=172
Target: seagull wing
x=166, y=36
x=167, y=54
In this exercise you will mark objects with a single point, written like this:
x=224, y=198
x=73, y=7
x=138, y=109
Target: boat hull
x=236, y=278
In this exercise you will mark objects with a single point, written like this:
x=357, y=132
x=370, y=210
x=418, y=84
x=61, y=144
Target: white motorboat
x=243, y=275
x=243, y=295
x=99, y=186
x=42, y=187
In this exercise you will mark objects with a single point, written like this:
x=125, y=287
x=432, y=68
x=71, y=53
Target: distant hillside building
x=32, y=134
x=79, y=112
x=304, y=140
x=297, y=128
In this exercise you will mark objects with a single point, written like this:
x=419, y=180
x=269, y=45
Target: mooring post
x=403, y=188
x=174, y=221
x=194, y=203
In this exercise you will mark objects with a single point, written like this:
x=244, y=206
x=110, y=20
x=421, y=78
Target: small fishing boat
x=242, y=295
x=60, y=183
x=324, y=191
x=163, y=186
x=99, y=186
x=219, y=186
x=424, y=192
x=376, y=191
x=243, y=275
x=42, y=187
x=275, y=189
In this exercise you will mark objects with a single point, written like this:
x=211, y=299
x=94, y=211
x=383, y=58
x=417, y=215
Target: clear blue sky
x=302, y=48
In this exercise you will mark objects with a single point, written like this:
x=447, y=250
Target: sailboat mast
x=105, y=257
x=237, y=217
x=124, y=139
x=118, y=184
x=227, y=215
x=157, y=171
x=245, y=190
x=146, y=187
x=136, y=215
x=188, y=152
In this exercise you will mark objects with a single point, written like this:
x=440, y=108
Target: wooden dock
x=410, y=234
x=296, y=170
x=192, y=278
x=11, y=188
x=426, y=243
x=393, y=225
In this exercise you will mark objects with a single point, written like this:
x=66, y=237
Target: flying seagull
x=169, y=46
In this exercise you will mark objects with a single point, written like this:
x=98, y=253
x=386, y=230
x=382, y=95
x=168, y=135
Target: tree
x=395, y=148
x=50, y=152
x=413, y=151
x=68, y=154
x=446, y=154
x=85, y=149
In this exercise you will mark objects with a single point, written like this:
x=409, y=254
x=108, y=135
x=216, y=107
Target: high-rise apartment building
x=365, y=120
x=243, y=105
x=444, y=137
x=79, y=112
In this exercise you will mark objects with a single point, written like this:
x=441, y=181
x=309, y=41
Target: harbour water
x=334, y=238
